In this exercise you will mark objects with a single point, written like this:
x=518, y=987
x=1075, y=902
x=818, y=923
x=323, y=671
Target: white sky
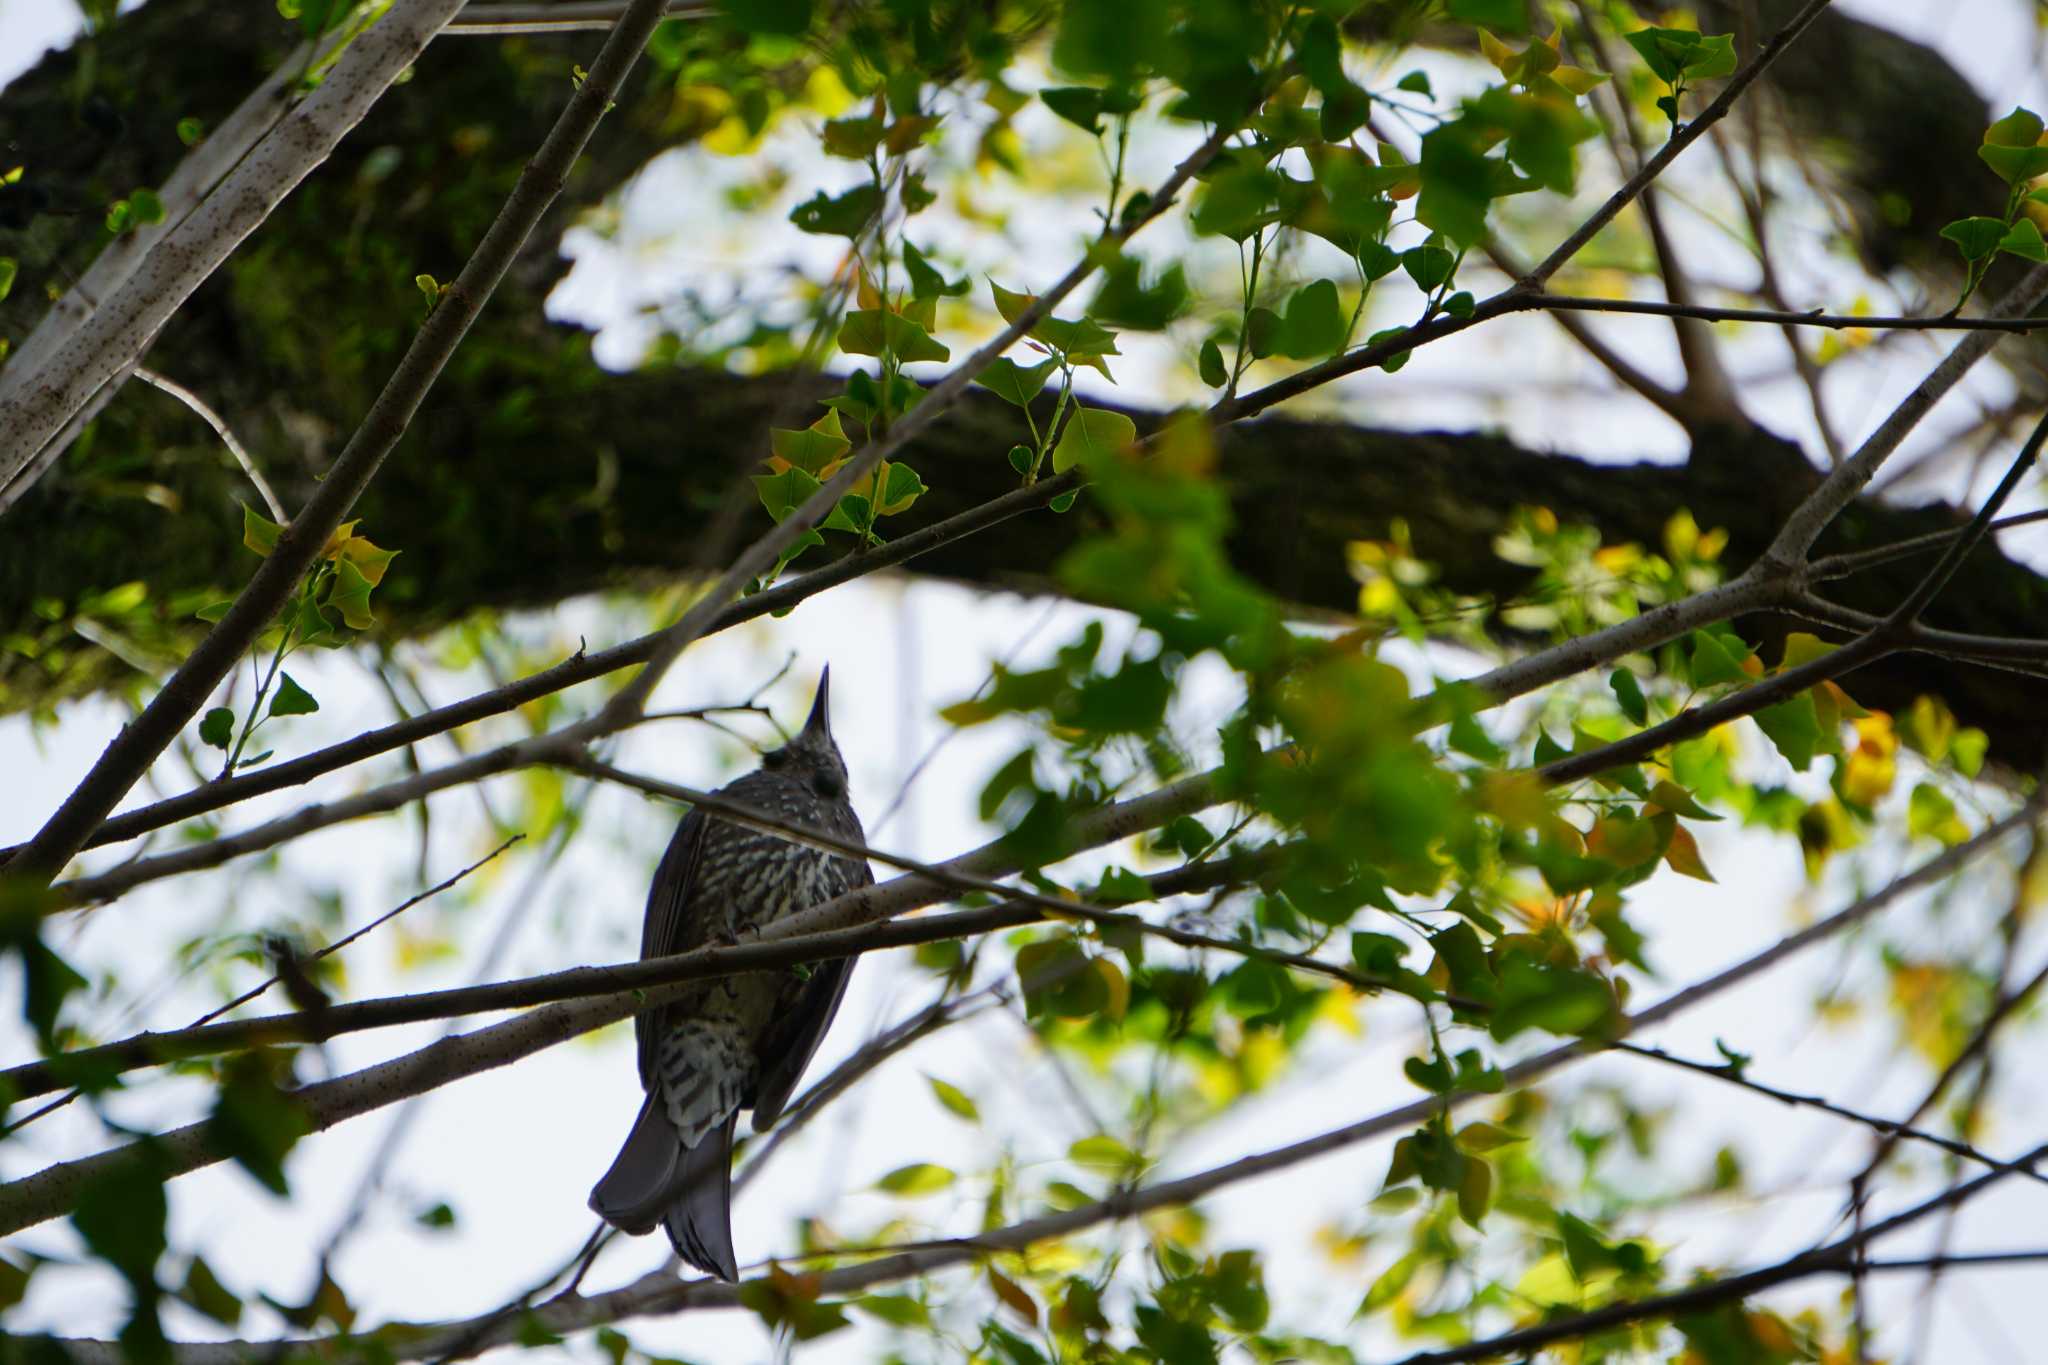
x=514, y=1151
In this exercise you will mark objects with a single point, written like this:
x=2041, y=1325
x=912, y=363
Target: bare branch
x=206, y=414
x=1554, y=303
x=1795, y=539
x=1890, y=1127
x=486, y=18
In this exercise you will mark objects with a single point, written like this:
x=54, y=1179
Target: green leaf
x=925, y=279
x=1712, y=58
x=1092, y=435
x=872, y=331
x=1079, y=105
x=146, y=207
x=850, y=514
x=1794, y=727
x=1679, y=55
x=2024, y=240
x=1429, y=266
x=292, y=699
x=2021, y=128
x=1931, y=815
x=1262, y=332
x=438, y=1218
x=1416, y=82
x=1393, y=363
x=1457, y=183
x=1561, y=1000
x=9, y=268
x=204, y=1293
x=1713, y=662
x=1103, y=1153
x=902, y=488
x=121, y=1213
x=854, y=138
x=1016, y=383
x=2015, y=164
x=1210, y=365
x=956, y=1101
x=351, y=596
x=1315, y=322
x=259, y=532
x=1237, y=201
x=898, y=1310
x=1629, y=693
x=1475, y=1191
x=918, y=1178
x=814, y=447
x=217, y=727
x=254, y=1121
x=786, y=491
x=1976, y=238
x=1127, y=300
x=848, y=215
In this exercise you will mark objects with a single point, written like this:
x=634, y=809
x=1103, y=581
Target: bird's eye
x=830, y=785
x=775, y=758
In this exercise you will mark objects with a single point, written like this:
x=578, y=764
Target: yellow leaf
x=1499, y=53
x=1578, y=80
x=370, y=561
x=1013, y=1296
x=1683, y=855
x=1116, y=984
x=1869, y=769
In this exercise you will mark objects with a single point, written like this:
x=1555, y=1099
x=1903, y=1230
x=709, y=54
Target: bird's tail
x=645, y=1176
x=699, y=1220
x=688, y=1190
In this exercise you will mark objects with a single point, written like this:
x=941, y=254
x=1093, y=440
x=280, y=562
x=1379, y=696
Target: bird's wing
x=667, y=928
x=787, y=1050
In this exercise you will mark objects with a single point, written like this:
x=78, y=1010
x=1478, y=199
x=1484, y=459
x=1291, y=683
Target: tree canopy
x=1476, y=443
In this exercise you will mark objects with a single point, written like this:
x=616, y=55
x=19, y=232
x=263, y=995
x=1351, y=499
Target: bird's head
x=811, y=756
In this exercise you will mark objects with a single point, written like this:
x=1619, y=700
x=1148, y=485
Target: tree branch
x=51, y=1192
x=580, y=668
x=34, y=407
x=139, y=743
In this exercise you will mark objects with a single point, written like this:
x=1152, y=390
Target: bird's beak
x=819, y=725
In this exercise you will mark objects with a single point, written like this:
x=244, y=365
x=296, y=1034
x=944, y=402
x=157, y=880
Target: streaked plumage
x=735, y=1042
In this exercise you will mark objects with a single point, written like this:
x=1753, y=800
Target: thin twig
x=221, y=429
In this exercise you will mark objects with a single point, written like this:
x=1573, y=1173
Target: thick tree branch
x=35, y=406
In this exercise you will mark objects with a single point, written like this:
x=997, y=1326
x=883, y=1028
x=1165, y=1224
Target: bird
x=741, y=1041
